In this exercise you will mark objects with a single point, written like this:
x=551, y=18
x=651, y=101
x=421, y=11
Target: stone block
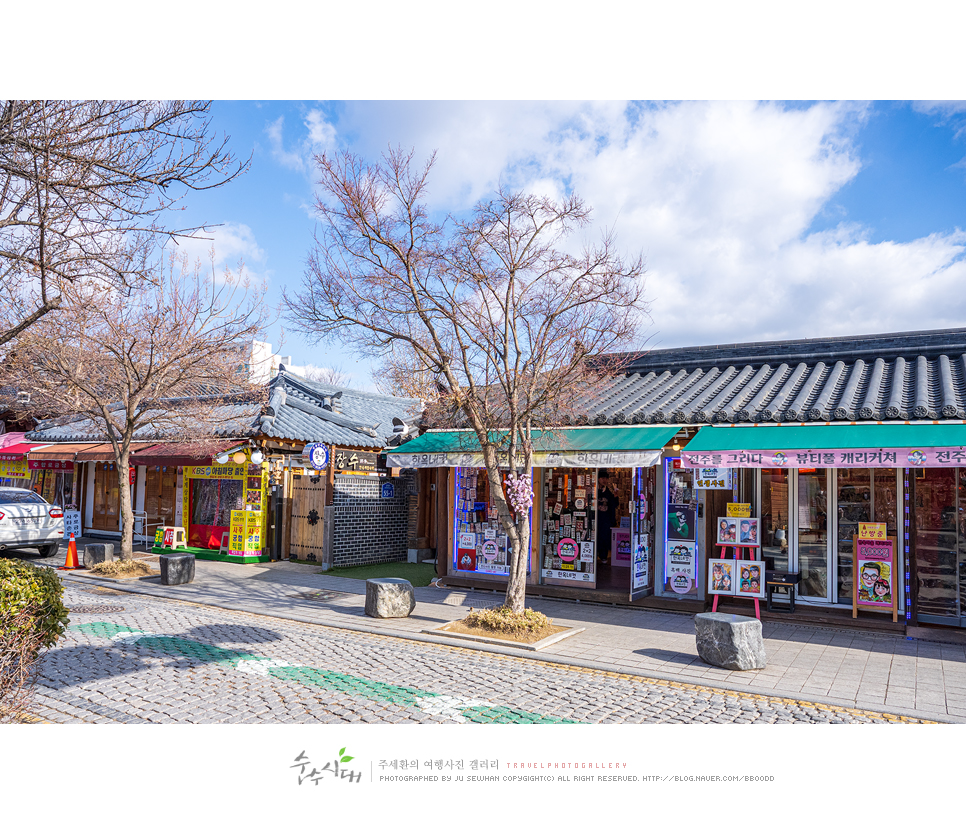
x=389, y=597
x=177, y=568
x=95, y=554
x=730, y=641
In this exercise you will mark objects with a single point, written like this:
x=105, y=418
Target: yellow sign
x=872, y=530
x=739, y=510
x=14, y=469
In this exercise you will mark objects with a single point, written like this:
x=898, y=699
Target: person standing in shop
x=606, y=515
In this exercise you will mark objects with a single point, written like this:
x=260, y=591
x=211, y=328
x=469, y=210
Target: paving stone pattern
x=164, y=661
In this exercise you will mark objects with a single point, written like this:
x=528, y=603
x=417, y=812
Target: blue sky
x=758, y=220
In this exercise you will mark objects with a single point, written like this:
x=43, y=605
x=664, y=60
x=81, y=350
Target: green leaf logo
x=343, y=758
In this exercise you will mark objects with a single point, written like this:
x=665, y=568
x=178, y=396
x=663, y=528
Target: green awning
x=829, y=445
x=564, y=447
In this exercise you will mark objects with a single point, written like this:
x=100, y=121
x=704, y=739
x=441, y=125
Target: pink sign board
x=865, y=457
x=875, y=582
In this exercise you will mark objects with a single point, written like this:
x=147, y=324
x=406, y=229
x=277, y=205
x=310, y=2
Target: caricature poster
x=874, y=577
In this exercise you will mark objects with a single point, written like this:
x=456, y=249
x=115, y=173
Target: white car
x=27, y=521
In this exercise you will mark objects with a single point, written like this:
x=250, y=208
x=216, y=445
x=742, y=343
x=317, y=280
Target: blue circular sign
x=316, y=456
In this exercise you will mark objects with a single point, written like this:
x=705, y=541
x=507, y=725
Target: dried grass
x=528, y=626
x=123, y=568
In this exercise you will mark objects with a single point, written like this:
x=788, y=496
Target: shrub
x=32, y=617
x=505, y=620
x=31, y=598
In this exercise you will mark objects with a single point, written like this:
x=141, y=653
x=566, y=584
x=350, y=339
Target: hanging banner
x=859, y=457
x=646, y=458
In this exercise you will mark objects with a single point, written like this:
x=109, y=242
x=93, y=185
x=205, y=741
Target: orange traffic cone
x=71, y=563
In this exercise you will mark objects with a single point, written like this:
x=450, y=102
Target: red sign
x=132, y=474
x=49, y=465
x=466, y=559
x=168, y=541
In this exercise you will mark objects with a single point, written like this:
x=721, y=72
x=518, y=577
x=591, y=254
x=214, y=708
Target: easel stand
x=738, y=555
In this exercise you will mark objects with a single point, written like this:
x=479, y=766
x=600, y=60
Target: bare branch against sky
x=86, y=190
x=493, y=312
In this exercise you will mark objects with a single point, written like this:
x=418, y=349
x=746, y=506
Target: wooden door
x=308, y=510
x=107, y=498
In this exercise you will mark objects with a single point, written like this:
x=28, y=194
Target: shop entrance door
x=107, y=498
x=306, y=529
x=940, y=543
x=812, y=501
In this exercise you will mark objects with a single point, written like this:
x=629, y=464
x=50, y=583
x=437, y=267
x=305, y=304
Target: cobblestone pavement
x=138, y=659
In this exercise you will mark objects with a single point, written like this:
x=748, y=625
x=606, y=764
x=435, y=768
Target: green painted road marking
x=462, y=710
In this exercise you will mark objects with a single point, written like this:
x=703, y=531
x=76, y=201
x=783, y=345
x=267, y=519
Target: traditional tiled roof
x=906, y=376
x=297, y=410
x=302, y=410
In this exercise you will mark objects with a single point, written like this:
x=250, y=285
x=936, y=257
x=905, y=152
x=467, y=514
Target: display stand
x=737, y=552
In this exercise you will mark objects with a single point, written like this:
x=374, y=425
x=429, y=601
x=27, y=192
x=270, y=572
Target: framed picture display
x=750, y=578
x=721, y=576
x=727, y=530
x=748, y=532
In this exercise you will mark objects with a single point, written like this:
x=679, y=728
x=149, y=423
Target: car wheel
x=48, y=550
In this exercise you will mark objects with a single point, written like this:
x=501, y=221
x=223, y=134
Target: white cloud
x=720, y=196
x=320, y=135
x=230, y=244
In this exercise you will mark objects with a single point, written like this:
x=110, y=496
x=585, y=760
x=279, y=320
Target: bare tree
x=84, y=186
x=494, y=308
x=331, y=375
x=157, y=362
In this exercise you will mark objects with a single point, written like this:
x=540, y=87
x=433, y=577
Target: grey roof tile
x=916, y=375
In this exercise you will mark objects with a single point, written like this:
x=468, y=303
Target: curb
x=572, y=662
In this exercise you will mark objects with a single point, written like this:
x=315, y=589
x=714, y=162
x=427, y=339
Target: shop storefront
x=225, y=510
x=593, y=516
x=817, y=485
x=16, y=471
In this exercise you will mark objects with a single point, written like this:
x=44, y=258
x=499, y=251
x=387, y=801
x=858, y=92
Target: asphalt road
x=130, y=658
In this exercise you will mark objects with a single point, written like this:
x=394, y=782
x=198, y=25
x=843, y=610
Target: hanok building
x=819, y=438
x=247, y=494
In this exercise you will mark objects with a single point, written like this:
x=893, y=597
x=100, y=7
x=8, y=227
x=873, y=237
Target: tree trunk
x=127, y=506
x=516, y=589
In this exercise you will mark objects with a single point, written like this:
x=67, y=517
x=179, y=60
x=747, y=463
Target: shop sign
x=646, y=458
x=858, y=457
x=713, y=478
x=72, y=523
x=489, y=549
x=740, y=509
x=567, y=549
x=50, y=465
x=466, y=559
x=350, y=461
x=316, y=456
x=874, y=575
x=680, y=567
x=215, y=471
x=640, y=574
x=574, y=576
x=14, y=469
x=872, y=530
